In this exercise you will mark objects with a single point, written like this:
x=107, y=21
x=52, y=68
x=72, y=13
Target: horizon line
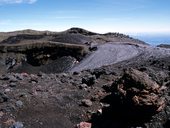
x=95, y=31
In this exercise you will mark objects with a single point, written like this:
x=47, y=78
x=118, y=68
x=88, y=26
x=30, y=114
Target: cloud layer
x=17, y=1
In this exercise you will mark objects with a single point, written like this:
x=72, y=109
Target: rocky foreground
x=80, y=79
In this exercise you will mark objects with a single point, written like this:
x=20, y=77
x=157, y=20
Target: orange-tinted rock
x=84, y=125
x=140, y=90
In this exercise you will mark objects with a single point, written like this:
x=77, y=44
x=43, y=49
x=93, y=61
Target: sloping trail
x=108, y=54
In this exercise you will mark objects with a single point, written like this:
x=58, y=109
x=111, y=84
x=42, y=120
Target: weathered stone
x=99, y=111
x=9, y=122
x=89, y=80
x=3, y=97
x=1, y=114
x=19, y=76
x=24, y=74
x=8, y=108
x=33, y=76
x=12, y=78
x=40, y=74
x=6, y=77
x=76, y=73
x=17, y=125
x=87, y=102
x=84, y=125
x=7, y=90
x=139, y=90
x=140, y=80
x=34, y=79
x=64, y=74
x=19, y=104
x=12, y=84
x=83, y=86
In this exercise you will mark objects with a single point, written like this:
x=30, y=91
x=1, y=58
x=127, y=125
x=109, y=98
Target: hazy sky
x=95, y=15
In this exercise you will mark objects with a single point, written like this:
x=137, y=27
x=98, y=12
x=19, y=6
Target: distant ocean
x=153, y=39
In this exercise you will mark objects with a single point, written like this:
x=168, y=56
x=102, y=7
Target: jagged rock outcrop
x=40, y=53
x=138, y=90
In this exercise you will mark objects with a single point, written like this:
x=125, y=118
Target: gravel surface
x=108, y=54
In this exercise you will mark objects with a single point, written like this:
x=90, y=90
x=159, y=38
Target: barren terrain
x=76, y=77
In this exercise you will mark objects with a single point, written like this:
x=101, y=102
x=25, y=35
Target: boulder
x=87, y=102
x=84, y=125
x=17, y=125
x=139, y=91
x=89, y=80
x=3, y=97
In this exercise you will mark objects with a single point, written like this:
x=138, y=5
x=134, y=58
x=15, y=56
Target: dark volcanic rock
x=89, y=80
x=4, y=77
x=12, y=84
x=3, y=97
x=18, y=38
x=80, y=31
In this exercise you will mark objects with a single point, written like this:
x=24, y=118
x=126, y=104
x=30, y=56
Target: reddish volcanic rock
x=84, y=125
x=142, y=92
